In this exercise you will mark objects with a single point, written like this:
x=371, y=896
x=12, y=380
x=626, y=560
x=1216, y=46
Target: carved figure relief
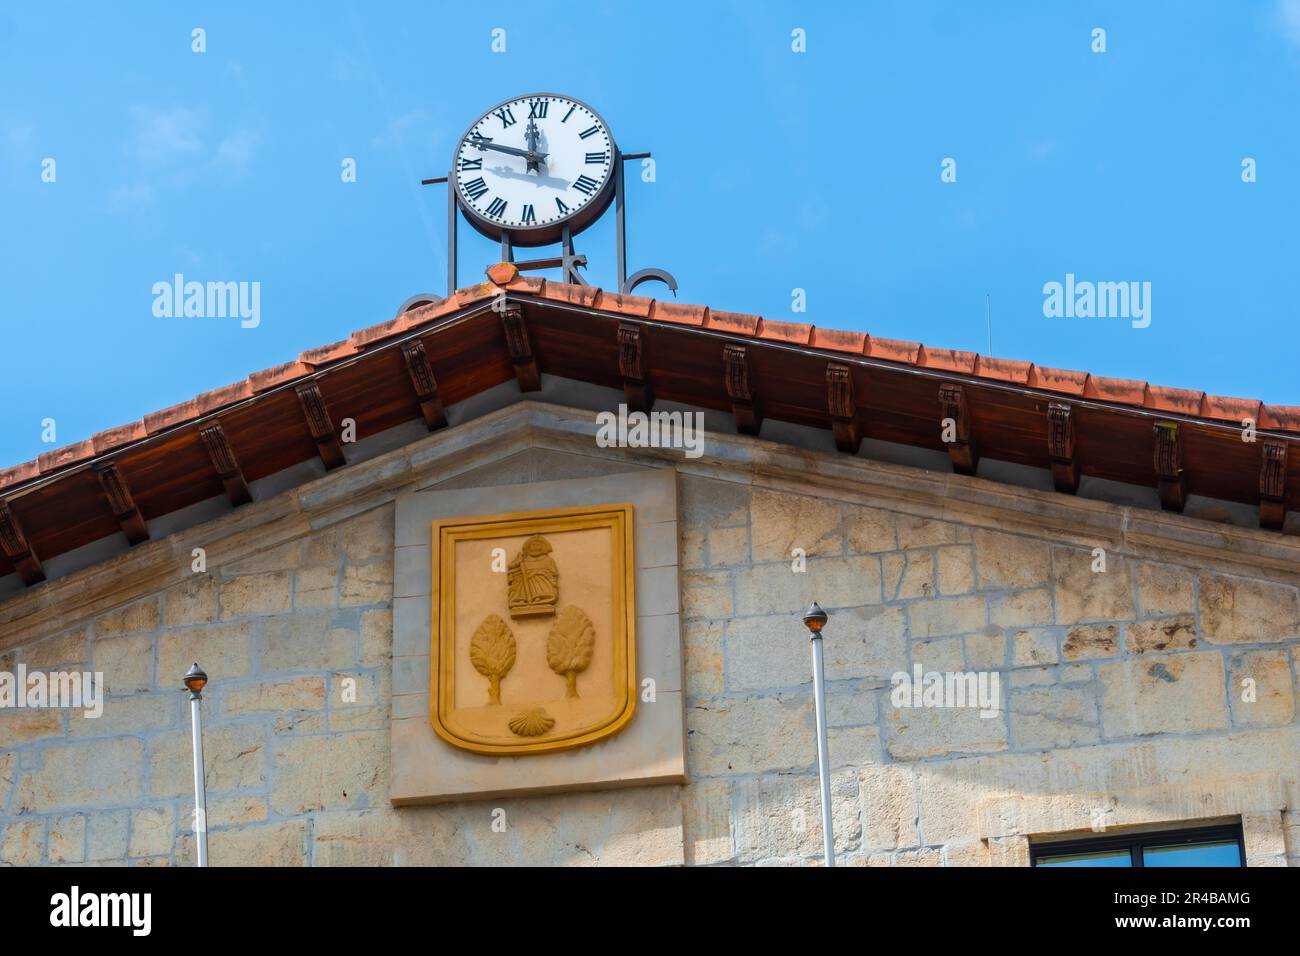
x=534, y=579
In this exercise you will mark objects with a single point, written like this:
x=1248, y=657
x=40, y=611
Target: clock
x=532, y=165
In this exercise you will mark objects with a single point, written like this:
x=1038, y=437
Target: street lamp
x=195, y=680
x=815, y=619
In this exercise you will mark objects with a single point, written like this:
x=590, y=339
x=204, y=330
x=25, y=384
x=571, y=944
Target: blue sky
x=775, y=171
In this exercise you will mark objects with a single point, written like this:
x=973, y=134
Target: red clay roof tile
x=111, y=438
x=738, y=322
x=1004, y=370
x=795, y=332
x=1183, y=401
x=269, y=378
x=1230, y=409
x=67, y=455
x=948, y=359
x=19, y=473
x=166, y=418
x=634, y=305
x=1281, y=417
x=1058, y=380
x=680, y=313
x=893, y=350
x=584, y=295
x=1122, y=390
x=837, y=341
x=325, y=354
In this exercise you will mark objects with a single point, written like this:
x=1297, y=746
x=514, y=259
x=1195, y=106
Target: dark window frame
x=1135, y=843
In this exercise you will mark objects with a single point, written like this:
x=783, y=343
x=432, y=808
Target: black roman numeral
x=597, y=158
x=475, y=188
x=498, y=206
x=568, y=114
x=529, y=215
x=506, y=117
x=586, y=184
x=471, y=164
x=589, y=131
x=560, y=202
x=537, y=109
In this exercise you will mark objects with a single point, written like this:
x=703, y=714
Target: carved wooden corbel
x=744, y=405
x=961, y=445
x=841, y=404
x=17, y=549
x=1060, y=447
x=425, y=385
x=225, y=463
x=120, y=501
x=1169, y=466
x=320, y=424
x=521, y=351
x=632, y=367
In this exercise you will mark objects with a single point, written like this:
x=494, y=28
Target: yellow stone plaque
x=533, y=645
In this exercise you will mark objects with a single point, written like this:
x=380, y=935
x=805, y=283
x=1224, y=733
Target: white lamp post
x=195, y=680
x=815, y=619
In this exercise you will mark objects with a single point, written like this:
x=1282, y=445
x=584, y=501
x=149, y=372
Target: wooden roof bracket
x=632, y=366
x=735, y=375
x=956, y=428
x=320, y=424
x=1060, y=447
x=1272, y=484
x=225, y=464
x=16, y=548
x=1169, y=467
x=425, y=385
x=521, y=350
x=842, y=405
x=120, y=501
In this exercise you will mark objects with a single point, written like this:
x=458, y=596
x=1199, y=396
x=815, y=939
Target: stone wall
x=1121, y=698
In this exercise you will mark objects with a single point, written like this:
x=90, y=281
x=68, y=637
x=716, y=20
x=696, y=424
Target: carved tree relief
x=492, y=652
x=533, y=579
x=569, y=646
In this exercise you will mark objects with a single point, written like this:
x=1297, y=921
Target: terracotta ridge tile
x=840, y=341
x=1004, y=370
x=798, y=333
x=1280, y=417
x=111, y=438
x=1064, y=380
x=681, y=313
x=738, y=322
x=951, y=360
x=1226, y=408
x=269, y=378
x=893, y=350
x=65, y=456
x=1120, y=390
x=1184, y=401
x=16, y=474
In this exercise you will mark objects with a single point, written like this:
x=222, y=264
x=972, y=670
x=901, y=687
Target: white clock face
x=534, y=162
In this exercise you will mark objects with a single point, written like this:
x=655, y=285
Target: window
x=1204, y=846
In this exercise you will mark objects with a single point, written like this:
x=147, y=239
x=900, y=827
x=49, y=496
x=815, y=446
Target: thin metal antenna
x=988, y=314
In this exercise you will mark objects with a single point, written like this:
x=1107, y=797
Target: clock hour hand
x=530, y=136
x=482, y=142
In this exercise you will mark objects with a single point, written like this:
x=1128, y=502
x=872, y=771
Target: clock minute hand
x=482, y=142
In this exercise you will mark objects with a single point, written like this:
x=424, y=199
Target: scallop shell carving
x=532, y=723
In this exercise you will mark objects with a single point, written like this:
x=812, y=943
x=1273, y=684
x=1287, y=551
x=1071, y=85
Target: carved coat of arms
x=533, y=644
